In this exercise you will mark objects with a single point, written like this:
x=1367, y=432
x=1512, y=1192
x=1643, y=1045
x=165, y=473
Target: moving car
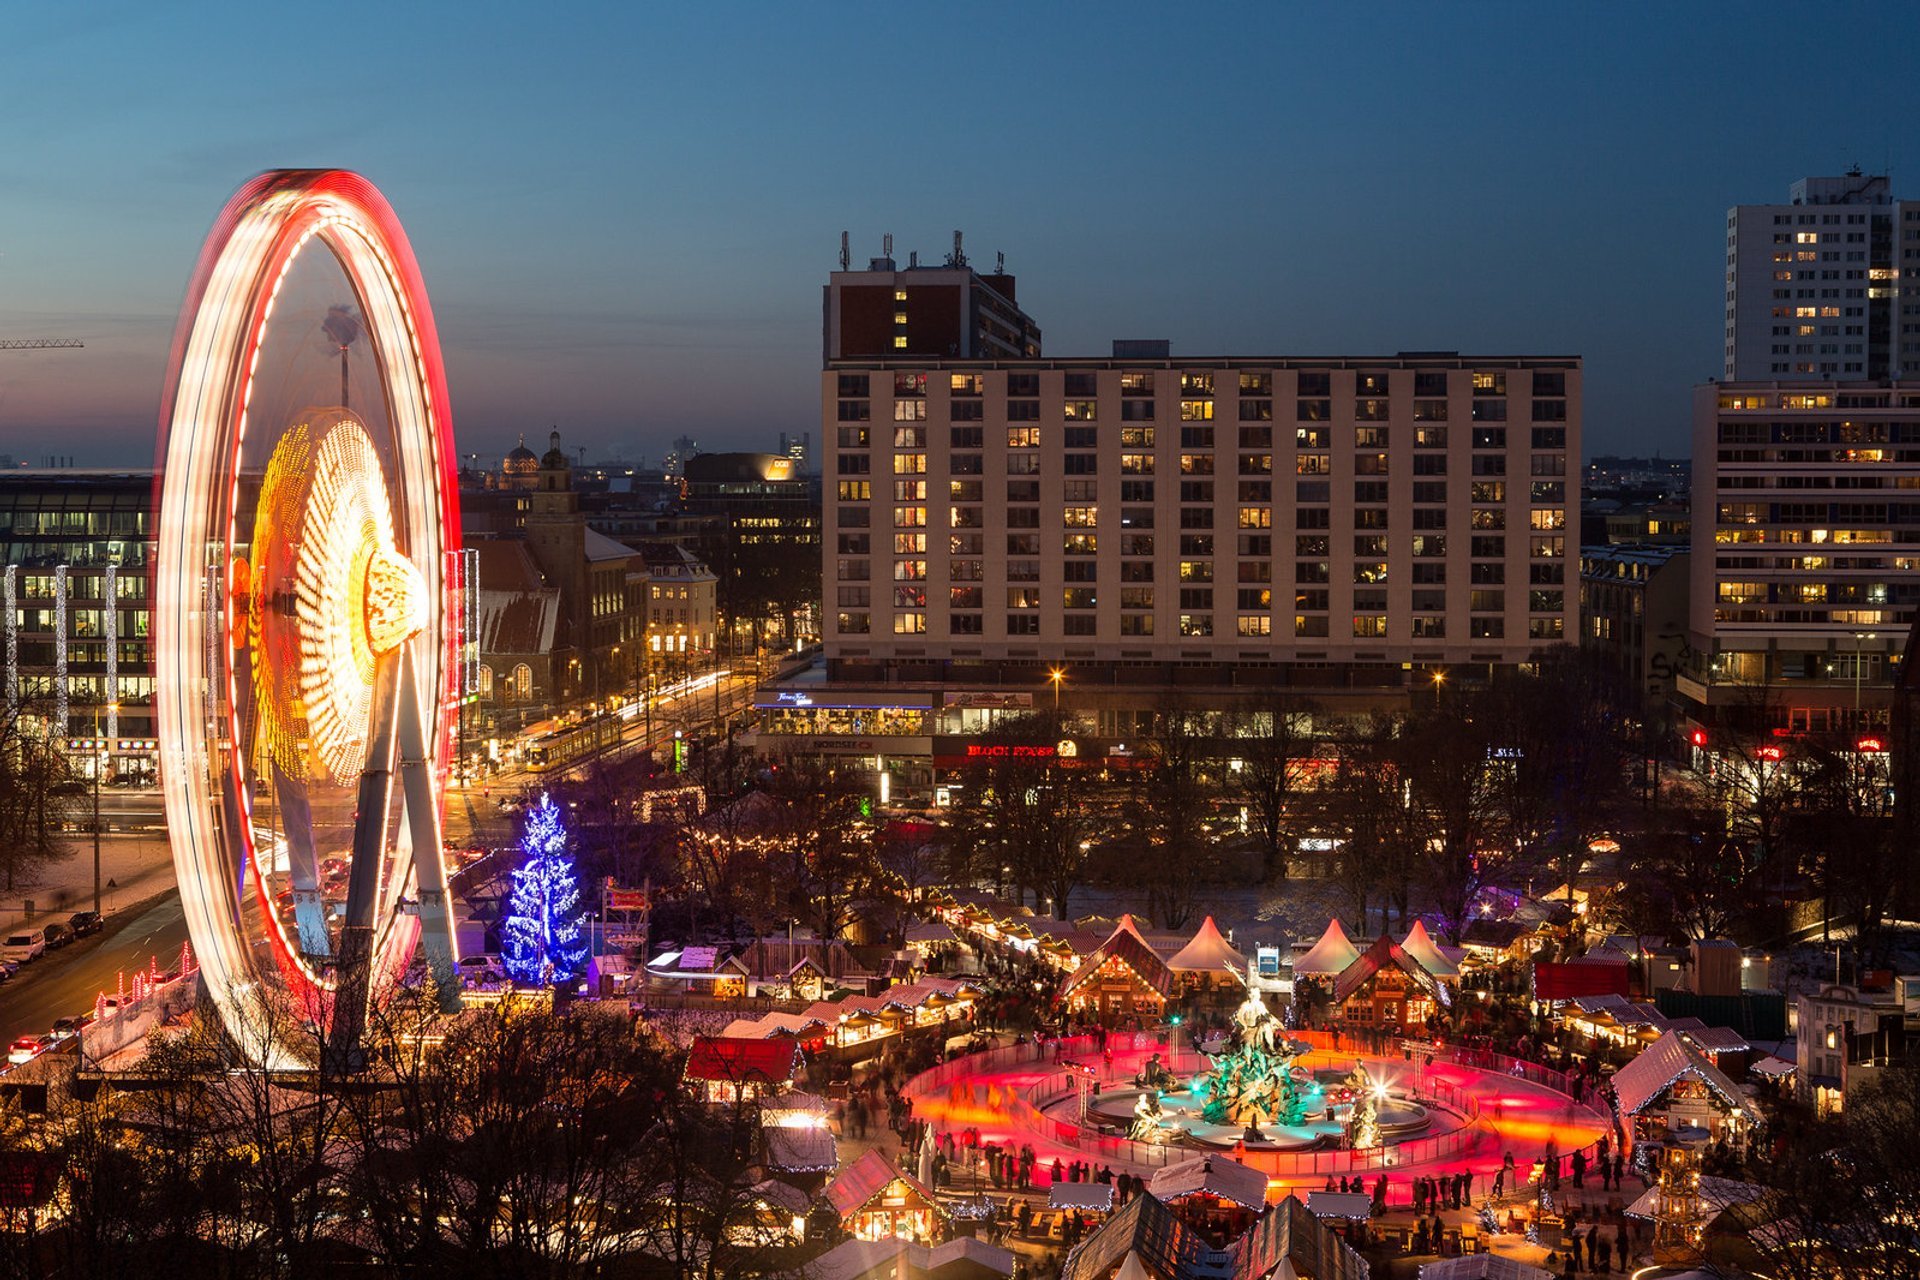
x=25, y=1049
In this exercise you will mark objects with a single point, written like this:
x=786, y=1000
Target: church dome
x=521, y=462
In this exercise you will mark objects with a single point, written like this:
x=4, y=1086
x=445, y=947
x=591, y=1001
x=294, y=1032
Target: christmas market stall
x=795, y=1138
x=1217, y=1195
x=1396, y=986
x=1671, y=1086
x=1209, y=962
x=731, y=1069
x=1122, y=976
x=876, y=1201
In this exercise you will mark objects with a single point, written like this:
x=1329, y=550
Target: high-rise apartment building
x=1806, y=549
x=1825, y=286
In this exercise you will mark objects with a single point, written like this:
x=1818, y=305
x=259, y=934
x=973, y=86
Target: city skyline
x=618, y=216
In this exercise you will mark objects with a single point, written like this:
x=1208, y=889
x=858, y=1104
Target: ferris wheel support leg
x=423, y=825
x=303, y=866
x=354, y=972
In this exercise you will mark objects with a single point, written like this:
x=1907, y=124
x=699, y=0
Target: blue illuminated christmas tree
x=542, y=940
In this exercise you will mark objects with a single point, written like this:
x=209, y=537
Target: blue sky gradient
x=625, y=212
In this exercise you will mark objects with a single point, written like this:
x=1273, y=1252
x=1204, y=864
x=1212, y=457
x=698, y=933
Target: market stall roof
x=1773, y=1068
x=1213, y=1175
x=1329, y=956
x=1421, y=947
x=1340, y=1204
x=799, y=1150
x=1130, y=949
x=1718, y=1194
x=1666, y=1060
x=1209, y=952
x=961, y=1258
x=1482, y=1266
x=742, y=1061
x=1716, y=1039
x=1385, y=951
x=1097, y=1196
x=866, y=1178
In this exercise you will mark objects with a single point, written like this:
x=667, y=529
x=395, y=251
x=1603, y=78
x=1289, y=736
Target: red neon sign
x=1870, y=744
x=1769, y=753
x=986, y=751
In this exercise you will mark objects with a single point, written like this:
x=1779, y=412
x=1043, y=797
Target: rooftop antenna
x=913, y=257
x=999, y=264
x=886, y=245
x=846, y=255
x=959, y=256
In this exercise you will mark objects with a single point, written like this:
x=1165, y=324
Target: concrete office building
x=78, y=656
x=1826, y=285
x=1806, y=543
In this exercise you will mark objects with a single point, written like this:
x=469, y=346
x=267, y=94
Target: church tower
x=557, y=537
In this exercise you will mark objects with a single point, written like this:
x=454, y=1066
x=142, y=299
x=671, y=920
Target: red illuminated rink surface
x=1515, y=1116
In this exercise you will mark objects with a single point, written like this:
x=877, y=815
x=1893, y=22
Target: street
x=65, y=982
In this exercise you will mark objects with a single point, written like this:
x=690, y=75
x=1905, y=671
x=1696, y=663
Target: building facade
x=1826, y=285
x=949, y=311
x=1806, y=538
x=1634, y=612
x=1340, y=518
x=75, y=547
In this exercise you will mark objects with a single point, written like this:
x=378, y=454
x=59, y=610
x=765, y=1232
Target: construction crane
x=39, y=344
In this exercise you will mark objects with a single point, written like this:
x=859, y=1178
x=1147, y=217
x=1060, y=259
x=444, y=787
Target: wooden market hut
x=1122, y=976
x=1671, y=1085
x=733, y=1069
x=1215, y=1194
x=876, y=1201
x=1390, y=988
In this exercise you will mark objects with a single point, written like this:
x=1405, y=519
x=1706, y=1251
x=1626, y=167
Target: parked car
x=8, y=968
x=85, y=922
x=24, y=944
x=67, y=1028
x=58, y=936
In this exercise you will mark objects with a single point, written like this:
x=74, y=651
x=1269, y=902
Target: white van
x=24, y=945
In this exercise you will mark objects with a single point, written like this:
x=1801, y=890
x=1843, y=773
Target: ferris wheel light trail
x=296, y=639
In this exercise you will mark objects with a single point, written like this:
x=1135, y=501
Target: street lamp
x=1858, y=636
x=1439, y=678
x=1057, y=675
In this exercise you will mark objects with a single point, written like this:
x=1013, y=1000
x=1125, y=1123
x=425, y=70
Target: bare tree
x=1275, y=748
x=39, y=793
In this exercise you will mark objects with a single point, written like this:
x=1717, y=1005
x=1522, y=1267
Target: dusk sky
x=625, y=213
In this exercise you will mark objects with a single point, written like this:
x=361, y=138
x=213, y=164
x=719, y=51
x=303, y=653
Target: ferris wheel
x=303, y=616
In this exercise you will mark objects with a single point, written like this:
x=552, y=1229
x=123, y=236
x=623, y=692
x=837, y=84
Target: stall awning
x=1097, y=1196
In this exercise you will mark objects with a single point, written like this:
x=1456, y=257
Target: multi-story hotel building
x=1806, y=549
x=1826, y=285
x=1150, y=528
x=1345, y=515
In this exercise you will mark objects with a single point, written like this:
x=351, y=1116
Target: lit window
x=899, y=342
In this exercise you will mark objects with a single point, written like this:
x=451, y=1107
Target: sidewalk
x=132, y=869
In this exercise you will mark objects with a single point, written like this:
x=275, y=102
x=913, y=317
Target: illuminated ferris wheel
x=302, y=614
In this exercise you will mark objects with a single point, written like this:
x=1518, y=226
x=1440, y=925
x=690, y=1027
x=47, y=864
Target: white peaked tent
x=1209, y=953
x=1329, y=956
x=1422, y=949
x=1133, y=1268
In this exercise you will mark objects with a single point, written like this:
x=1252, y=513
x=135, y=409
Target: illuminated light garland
x=60, y=651
x=111, y=618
